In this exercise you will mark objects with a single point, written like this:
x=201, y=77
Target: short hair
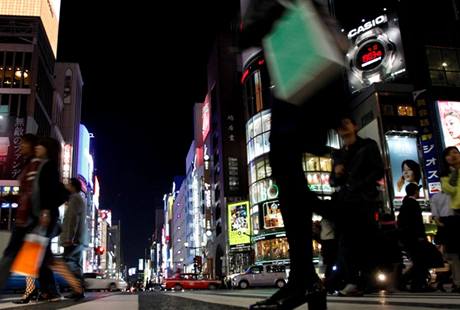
x=30, y=138
x=76, y=184
x=412, y=189
x=344, y=117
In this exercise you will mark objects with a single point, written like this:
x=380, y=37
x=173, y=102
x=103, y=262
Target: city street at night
x=238, y=299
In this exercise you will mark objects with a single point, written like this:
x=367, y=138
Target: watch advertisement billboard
x=239, y=223
x=376, y=52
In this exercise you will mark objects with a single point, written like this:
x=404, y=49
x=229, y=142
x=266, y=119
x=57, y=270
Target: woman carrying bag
x=48, y=194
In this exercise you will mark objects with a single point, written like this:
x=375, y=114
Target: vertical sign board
x=239, y=231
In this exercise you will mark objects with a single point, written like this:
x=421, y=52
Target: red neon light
x=245, y=75
x=373, y=53
x=261, y=62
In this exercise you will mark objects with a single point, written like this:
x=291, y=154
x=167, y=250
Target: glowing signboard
x=239, y=223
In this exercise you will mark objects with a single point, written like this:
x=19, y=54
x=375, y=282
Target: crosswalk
x=238, y=299
x=405, y=301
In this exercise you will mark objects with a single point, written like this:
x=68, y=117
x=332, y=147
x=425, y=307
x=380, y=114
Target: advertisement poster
x=272, y=215
x=376, y=52
x=449, y=119
x=405, y=165
x=238, y=223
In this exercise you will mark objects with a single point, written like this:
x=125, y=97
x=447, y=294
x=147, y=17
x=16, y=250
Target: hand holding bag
x=304, y=52
x=30, y=256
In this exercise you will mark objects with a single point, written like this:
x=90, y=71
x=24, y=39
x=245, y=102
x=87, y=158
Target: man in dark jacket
x=412, y=236
x=357, y=168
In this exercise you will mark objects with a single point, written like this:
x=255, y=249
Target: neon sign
x=370, y=55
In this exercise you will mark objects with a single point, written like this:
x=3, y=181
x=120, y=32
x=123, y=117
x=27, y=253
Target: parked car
x=190, y=281
x=17, y=283
x=262, y=275
x=96, y=281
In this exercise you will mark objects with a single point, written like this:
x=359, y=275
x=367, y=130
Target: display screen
x=370, y=55
x=272, y=215
x=272, y=249
x=449, y=118
x=405, y=164
x=239, y=223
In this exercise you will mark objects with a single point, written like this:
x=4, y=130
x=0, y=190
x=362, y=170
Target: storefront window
x=272, y=249
x=272, y=215
x=317, y=171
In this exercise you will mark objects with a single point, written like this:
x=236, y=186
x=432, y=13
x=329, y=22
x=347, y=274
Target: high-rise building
x=69, y=86
x=28, y=103
x=221, y=141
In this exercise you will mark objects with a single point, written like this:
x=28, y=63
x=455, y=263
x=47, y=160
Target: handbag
x=304, y=52
x=30, y=256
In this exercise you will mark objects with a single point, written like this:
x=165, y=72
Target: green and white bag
x=303, y=51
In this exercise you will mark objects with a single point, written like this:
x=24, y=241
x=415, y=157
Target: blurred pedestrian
x=295, y=130
x=25, y=222
x=74, y=230
x=357, y=168
x=448, y=219
x=47, y=195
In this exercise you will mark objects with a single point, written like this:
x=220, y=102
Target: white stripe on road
x=115, y=302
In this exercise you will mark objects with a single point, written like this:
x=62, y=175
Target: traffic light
x=99, y=250
x=199, y=262
x=195, y=262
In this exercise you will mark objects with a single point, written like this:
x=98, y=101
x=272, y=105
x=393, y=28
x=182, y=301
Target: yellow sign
x=239, y=226
x=47, y=10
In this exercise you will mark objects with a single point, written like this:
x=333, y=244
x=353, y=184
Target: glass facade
x=269, y=240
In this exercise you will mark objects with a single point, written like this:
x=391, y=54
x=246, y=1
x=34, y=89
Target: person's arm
x=447, y=187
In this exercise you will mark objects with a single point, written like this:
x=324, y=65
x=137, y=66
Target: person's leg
x=9, y=254
x=58, y=265
x=454, y=262
x=46, y=278
x=74, y=259
x=296, y=204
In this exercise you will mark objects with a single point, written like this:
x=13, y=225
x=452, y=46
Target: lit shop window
x=273, y=249
x=317, y=171
x=406, y=110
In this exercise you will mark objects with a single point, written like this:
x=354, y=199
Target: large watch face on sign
x=370, y=55
x=376, y=53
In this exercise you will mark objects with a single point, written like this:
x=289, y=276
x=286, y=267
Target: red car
x=190, y=281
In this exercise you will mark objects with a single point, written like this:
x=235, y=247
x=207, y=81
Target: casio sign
x=368, y=25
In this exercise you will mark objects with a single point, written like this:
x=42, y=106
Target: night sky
x=141, y=79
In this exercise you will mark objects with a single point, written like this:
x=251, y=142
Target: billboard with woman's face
x=405, y=164
x=449, y=121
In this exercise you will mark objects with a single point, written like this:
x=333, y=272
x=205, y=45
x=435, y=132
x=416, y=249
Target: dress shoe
x=28, y=298
x=22, y=301
x=290, y=299
x=351, y=290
